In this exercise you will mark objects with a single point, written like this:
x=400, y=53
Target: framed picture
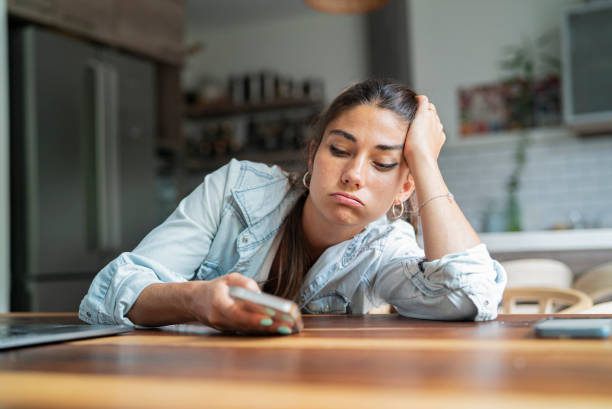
x=509, y=105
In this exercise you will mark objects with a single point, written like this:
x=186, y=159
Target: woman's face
x=358, y=171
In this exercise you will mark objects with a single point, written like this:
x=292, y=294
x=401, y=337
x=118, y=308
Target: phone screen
x=574, y=328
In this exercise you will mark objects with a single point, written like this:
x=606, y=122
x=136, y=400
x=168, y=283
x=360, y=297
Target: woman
x=334, y=242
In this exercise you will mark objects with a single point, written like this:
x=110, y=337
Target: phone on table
x=280, y=309
x=574, y=328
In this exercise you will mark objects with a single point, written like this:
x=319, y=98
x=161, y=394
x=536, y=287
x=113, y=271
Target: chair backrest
x=548, y=300
x=538, y=272
x=597, y=283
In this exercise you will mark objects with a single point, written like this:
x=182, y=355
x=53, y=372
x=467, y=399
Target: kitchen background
x=207, y=110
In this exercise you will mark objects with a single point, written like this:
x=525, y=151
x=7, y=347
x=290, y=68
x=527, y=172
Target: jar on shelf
x=209, y=136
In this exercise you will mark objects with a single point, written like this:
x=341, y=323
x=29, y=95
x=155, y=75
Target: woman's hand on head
x=425, y=136
x=212, y=305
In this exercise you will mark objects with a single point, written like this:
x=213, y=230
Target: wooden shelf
x=169, y=145
x=211, y=163
x=228, y=109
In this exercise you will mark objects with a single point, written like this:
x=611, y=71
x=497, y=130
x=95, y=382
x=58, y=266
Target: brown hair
x=286, y=279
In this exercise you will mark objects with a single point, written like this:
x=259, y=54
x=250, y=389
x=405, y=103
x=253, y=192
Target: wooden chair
x=538, y=272
x=548, y=300
x=597, y=283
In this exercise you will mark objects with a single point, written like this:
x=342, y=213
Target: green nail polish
x=270, y=311
x=287, y=318
x=266, y=322
x=284, y=330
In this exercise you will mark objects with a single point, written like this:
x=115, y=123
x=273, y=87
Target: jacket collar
x=258, y=201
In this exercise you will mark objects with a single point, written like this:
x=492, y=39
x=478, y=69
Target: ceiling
x=220, y=13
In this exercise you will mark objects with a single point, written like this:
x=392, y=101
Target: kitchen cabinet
x=87, y=18
x=42, y=11
x=153, y=28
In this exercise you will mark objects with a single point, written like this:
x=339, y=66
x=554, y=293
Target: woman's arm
x=445, y=228
x=150, y=286
x=458, y=279
x=208, y=302
x=458, y=286
x=170, y=253
x=163, y=304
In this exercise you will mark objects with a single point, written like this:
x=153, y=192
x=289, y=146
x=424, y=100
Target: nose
x=353, y=174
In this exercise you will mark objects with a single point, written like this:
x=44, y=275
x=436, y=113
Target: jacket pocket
x=328, y=303
x=208, y=271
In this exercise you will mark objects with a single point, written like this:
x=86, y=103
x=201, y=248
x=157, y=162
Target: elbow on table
x=457, y=305
x=454, y=306
x=452, y=295
x=484, y=291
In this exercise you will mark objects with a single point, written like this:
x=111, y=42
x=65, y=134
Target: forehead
x=369, y=123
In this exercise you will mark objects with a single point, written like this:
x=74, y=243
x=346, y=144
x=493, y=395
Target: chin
x=345, y=217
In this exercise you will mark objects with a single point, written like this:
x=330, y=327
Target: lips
x=348, y=199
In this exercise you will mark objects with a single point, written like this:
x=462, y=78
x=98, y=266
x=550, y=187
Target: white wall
x=566, y=180
x=4, y=166
x=460, y=43
x=327, y=46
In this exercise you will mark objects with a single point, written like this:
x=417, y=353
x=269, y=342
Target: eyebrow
x=353, y=139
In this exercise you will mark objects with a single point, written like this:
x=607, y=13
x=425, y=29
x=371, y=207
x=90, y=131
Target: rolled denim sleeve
x=169, y=253
x=117, y=286
x=459, y=286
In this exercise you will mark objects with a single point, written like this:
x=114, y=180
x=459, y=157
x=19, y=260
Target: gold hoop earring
x=394, y=212
x=304, y=180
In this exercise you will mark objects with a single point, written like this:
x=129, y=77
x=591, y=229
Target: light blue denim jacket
x=228, y=223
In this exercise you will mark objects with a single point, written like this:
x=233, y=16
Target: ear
x=312, y=150
x=407, y=189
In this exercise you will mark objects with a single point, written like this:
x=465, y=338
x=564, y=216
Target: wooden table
x=374, y=361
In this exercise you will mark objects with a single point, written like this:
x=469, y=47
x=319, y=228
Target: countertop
x=553, y=240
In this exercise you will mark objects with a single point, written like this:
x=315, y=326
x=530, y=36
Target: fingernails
x=270, y=311
x=284, y=330
x=287, y=318
x=266, y=322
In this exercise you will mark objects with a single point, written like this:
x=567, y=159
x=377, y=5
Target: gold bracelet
x=449, y=195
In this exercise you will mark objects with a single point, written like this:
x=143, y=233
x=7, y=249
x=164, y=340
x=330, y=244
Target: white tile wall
x=565, y=180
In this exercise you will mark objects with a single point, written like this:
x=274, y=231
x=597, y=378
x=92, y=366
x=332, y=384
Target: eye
x=385, y=166
x=337, y=152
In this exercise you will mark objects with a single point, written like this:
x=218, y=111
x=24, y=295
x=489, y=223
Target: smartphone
x=278, y=308
x=573, y=328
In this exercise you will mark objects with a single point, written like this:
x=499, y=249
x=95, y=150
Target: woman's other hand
x=425, y=136
x=212, y=305
x=445, y=228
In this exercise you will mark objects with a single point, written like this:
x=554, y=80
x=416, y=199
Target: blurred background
x=112, y=111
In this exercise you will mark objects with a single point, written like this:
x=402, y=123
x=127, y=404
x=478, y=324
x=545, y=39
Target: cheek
x=317, y=180
x=389, y=182
x=384, y=188
x=323, y=171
